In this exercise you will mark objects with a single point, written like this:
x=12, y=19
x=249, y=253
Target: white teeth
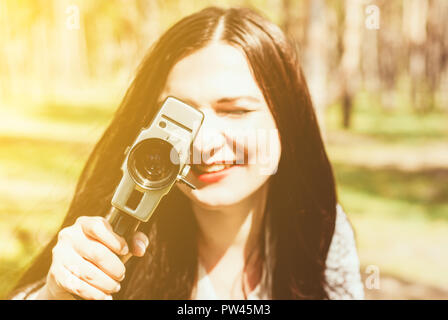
x=213, y=167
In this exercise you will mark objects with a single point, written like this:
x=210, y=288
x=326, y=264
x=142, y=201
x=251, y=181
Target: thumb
x=139, y=244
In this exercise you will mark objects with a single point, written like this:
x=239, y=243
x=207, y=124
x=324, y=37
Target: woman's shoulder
x=342, y=265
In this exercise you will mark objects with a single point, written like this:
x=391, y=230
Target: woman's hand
x=86, y=261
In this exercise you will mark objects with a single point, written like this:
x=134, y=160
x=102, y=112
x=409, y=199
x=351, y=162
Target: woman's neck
x=233, y=228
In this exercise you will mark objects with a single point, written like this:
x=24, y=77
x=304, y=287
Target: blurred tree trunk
x=436, y=48
x=443, y=82
x=351, y=57
x=69, y=47
x=391, y=52
x=316, y=56
x=370, y=60
x=415, y=16
x=306, y=22
x=295, y=21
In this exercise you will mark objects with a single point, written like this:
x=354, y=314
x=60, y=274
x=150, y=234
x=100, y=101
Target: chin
x=216, y=196
x=214, y=199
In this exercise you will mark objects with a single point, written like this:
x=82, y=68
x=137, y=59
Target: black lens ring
x=138, y=166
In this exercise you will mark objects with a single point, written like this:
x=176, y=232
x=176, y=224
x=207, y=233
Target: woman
x=261, y=230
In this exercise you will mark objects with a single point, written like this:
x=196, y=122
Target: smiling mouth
x=211, y=168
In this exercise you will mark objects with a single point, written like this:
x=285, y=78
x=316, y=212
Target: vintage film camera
x=153, y=163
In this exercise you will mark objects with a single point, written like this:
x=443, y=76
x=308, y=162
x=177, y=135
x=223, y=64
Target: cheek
x=261, y=148
x=269, y=148
x=268, y=152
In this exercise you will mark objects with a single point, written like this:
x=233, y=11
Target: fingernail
x=141, y=245
x=108, y=298
x=125, y=250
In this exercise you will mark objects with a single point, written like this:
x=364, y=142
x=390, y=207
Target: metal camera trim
x=177, y=123
x=153, y=185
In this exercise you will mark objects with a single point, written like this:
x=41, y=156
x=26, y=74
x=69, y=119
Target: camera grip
x=124, y=225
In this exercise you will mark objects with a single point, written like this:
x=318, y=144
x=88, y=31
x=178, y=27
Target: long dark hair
x=301, y=205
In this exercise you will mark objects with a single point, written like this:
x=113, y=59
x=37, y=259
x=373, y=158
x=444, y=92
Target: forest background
x=377, y=71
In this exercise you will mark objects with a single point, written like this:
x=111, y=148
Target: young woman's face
x=238, y=127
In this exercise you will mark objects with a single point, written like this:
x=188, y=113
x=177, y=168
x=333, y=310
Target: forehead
x=215, y=71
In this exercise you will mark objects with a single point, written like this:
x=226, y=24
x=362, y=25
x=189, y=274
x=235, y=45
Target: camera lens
x=151, y=163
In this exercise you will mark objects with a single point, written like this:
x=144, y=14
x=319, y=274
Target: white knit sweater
x=343, y=269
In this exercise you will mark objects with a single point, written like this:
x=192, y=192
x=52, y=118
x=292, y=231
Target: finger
x=90, y=273
x=99, y=255
x=72, y=284
x=99, y=228
x=139, y=244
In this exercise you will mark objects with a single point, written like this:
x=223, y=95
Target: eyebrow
x=219, y=101
x=233, y=99
x=187, y=101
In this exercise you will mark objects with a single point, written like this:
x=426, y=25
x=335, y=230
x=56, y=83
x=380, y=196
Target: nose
x=209, y=140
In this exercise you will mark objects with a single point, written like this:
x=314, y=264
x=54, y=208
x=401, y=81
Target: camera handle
x=124, y=225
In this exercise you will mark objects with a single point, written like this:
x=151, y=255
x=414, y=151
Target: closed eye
x=239, y=111
x=235, y=112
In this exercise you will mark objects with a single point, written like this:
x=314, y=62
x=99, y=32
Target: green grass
x=392, y=173
x=398, y=126
x=404, y=194
x=391, y=168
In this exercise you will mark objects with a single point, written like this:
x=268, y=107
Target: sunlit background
x=378, y=72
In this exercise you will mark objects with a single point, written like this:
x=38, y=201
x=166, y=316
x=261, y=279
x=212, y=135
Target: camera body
x=156, y=160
